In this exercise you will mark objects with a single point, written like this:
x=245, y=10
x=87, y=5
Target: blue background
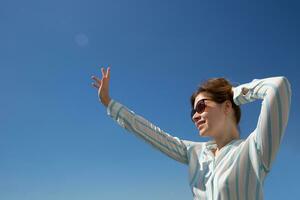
x=56, y=139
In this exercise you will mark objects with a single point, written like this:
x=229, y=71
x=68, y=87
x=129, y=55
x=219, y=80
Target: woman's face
x=211, y=121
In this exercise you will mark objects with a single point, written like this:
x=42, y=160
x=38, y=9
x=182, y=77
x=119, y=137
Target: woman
x=226, y=167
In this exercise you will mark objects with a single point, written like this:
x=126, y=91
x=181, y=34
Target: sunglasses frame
x=196, y=110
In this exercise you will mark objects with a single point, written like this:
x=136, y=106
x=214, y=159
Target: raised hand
x=103, y=86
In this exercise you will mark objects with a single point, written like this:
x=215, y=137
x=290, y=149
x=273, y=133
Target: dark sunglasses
x=200, y=107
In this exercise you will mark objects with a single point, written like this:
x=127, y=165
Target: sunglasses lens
x=200, y=107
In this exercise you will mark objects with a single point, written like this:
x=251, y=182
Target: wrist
x=106, y=102
x=245, y=90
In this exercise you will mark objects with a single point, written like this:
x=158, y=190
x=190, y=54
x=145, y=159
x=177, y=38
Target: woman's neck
x=229, y=134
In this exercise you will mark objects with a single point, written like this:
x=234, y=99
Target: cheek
x=215, y=120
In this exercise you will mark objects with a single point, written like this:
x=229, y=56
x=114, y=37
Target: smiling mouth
x=199, y=124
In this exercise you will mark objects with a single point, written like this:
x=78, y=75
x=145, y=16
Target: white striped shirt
x=239, y=169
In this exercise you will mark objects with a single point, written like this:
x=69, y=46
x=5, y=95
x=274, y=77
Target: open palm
x=103, y=86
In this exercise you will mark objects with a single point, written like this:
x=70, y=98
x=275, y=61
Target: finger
x=95, y=85
x=103, y=73
x=96, y=79
x=108, y=72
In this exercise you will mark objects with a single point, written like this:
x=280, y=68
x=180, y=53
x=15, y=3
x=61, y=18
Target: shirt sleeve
x=142, y=128
x=276, y=95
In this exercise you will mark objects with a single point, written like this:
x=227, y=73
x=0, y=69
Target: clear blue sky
x=56, y=139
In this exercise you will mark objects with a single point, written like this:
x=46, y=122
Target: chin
x=203, y=133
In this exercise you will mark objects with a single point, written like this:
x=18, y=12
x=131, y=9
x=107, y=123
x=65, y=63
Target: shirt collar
x=213, y=145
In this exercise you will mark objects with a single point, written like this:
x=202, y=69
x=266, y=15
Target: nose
x=196, y=117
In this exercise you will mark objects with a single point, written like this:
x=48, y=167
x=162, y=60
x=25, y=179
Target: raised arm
x=276, y=95
x=171, y=146
x=164, y=142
